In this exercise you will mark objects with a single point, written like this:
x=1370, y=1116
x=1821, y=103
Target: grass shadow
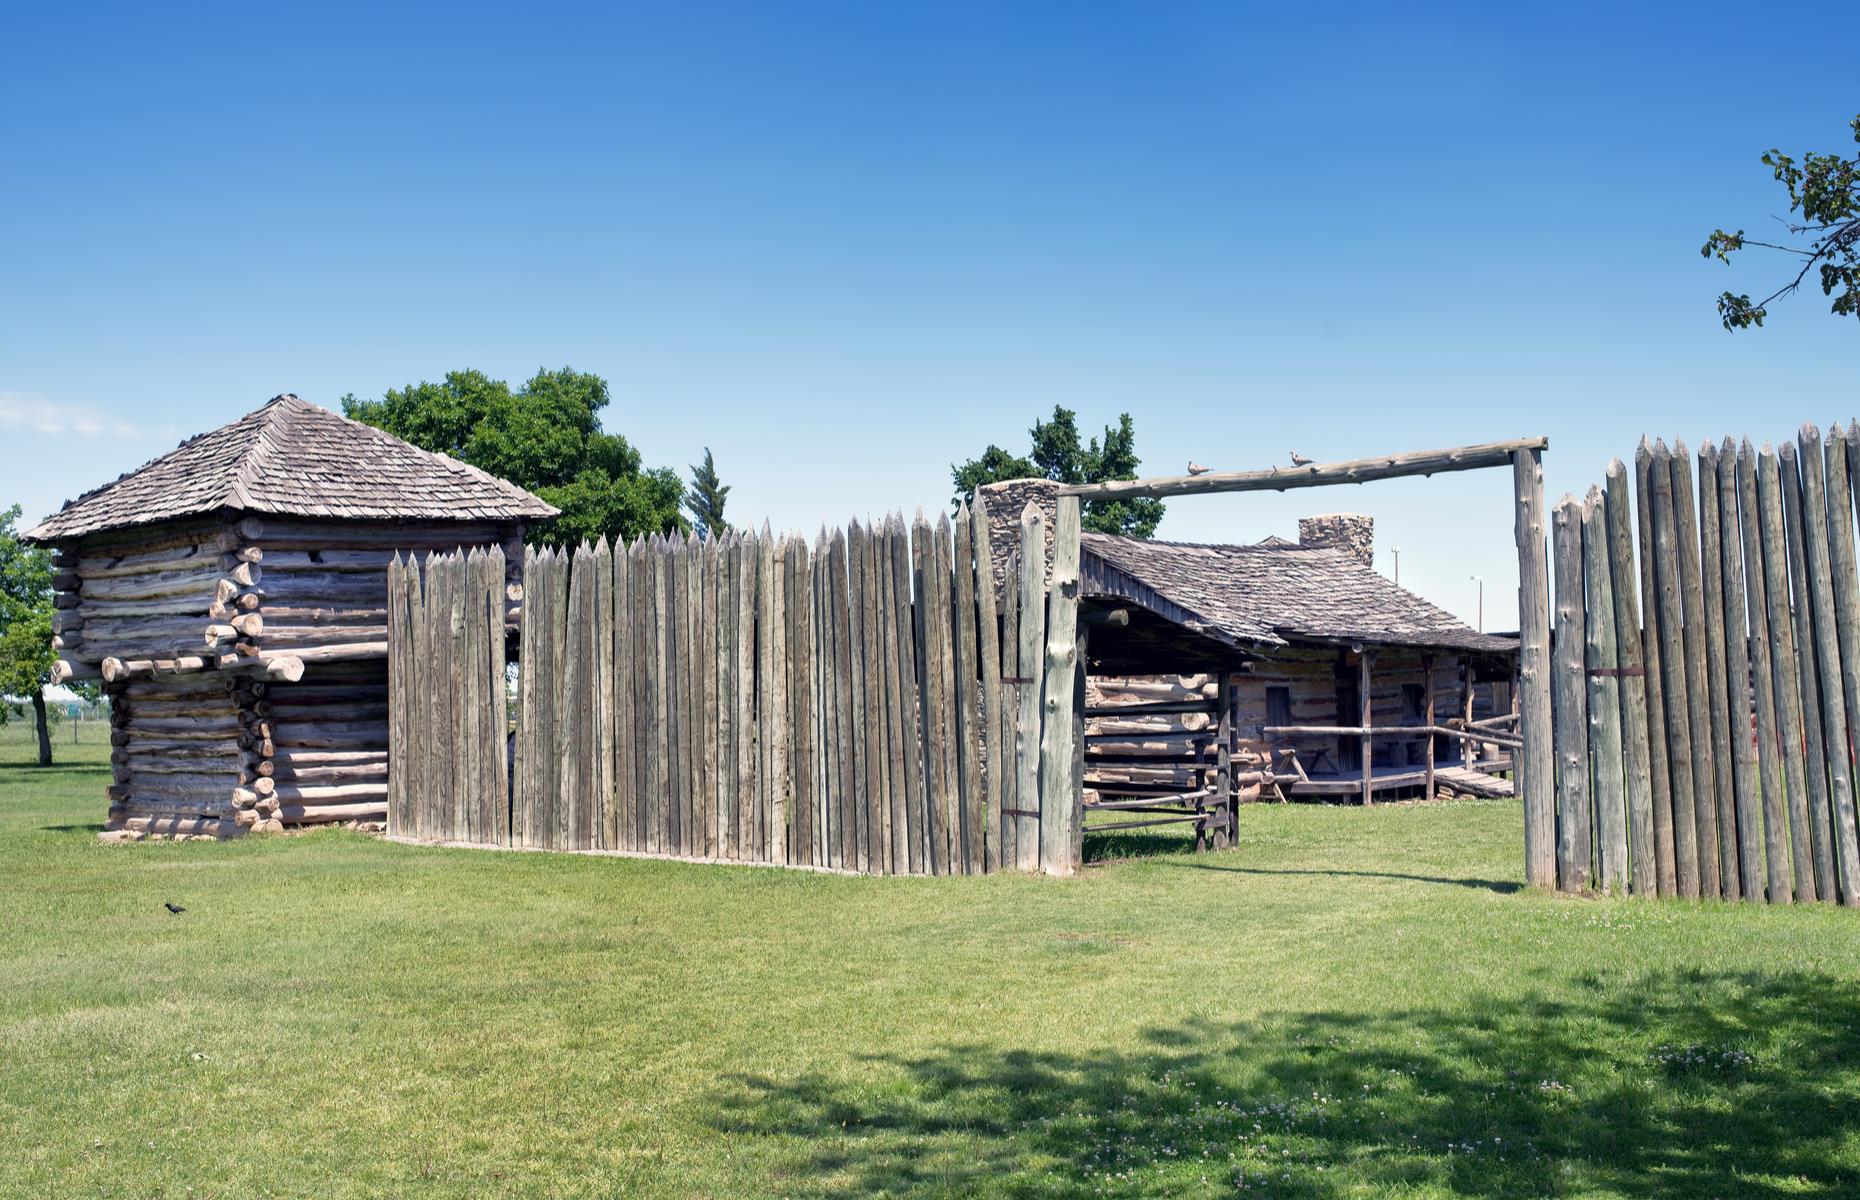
x=1123, y=846
x=32, y=771
x=1503, y=887
x=1673, y=1084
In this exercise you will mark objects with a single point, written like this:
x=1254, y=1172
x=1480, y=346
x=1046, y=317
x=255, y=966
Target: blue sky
x=844, y=246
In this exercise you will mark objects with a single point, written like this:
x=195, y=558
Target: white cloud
x=41, y=414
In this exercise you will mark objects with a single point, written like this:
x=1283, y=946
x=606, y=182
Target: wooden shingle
x=292, y=458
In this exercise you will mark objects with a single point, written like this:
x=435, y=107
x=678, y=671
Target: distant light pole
x=1480, y=580
x=1397, y=550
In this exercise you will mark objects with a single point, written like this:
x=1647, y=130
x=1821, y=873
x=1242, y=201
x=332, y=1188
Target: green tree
x=26, y=654
x=1057, y=454
x=1824, y=206
x=705, y=497
x=545, y=436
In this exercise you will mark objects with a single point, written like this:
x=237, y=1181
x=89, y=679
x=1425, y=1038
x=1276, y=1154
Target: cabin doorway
x=1349, y=710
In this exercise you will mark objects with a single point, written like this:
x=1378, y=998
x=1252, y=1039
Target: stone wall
x=1006, y=501
x=1350, y=532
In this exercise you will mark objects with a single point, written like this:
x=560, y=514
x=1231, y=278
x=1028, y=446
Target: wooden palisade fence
x=1706, y=698
x=860, y=704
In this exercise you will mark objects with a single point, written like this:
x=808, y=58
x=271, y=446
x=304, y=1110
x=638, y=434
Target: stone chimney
x=1352, y=533
x=1005, y=502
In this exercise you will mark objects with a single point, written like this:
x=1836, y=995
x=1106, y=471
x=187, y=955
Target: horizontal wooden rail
x=1151, y=708
x=1159, y=803
x=1388, y=731
x=1201, y=760
x=1279, y=479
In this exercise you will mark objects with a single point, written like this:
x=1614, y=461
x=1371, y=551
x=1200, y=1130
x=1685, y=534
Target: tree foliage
x=704, y=499
x=26, y=654
x=545, y=436
x=1056, y=453
x=1824, y=206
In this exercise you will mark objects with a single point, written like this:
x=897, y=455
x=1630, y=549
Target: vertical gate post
x=1535, y=775
x=1061, y=803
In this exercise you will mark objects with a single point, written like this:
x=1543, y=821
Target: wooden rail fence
x=860, y=705
x=1706, y=699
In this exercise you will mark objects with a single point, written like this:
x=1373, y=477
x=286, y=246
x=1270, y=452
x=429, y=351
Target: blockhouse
x=232, y=596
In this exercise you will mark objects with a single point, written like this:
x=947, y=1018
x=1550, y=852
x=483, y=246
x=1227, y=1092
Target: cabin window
x=1278, y=706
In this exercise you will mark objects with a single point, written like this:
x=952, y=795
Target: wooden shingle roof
x=292, y=458
x=1276, y=592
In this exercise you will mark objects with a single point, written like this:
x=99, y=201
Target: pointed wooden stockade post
x=908, y=818
x=969, y=740
x=1808, y=675
x=1748, y=797
x=1780, y=888
x=1033, y=601
x=1698, y=680
x=1570, y=703
x=988, y=624
x=1785, y=663
x=1011, y=689
x=1660, y=779
x=1643, y=875
x=1674, y=676
x=1719, y=699
x=1603, y=670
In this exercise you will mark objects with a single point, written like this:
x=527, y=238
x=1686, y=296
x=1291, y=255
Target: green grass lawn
x=1354, y=1003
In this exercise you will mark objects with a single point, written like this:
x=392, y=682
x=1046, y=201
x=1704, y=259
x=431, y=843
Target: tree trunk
x=45, y=730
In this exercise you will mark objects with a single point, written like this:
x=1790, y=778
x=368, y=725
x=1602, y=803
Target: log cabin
x=232, y=597
x=1327, y=679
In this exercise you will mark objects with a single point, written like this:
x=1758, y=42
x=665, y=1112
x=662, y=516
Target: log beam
x=1279, y=479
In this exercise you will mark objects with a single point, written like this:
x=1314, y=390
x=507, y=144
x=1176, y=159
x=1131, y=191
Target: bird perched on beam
x=1195, y=468
x=1299, y=460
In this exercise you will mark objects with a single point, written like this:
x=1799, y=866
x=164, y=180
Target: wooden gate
x=1706, y=697
x=875, y=703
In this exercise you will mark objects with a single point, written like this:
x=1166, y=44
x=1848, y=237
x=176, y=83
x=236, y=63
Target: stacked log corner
x=246, y=660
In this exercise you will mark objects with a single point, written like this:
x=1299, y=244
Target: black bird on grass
x=172, y=907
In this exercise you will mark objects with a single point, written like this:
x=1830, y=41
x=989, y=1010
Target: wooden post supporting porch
x=1466, y=711
x=1364, y=659
x=1427, y=672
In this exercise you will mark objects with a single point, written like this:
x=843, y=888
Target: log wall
x=246, y=661
x=1160, y=732
x=237, y=593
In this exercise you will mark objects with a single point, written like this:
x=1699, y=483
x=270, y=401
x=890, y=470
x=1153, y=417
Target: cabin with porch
x=1296, y=666
x=232, y=597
